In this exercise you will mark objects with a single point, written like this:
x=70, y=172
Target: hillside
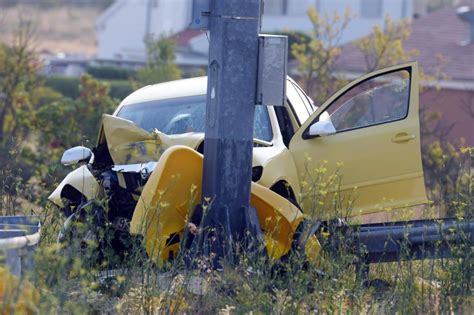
x=61, y=29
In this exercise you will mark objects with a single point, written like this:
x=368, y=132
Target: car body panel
x=82, y=180
x=174, y=190
x=129, y=144
x=385, y=173
x=166, y=90
x=276, y=156
x=278, y=165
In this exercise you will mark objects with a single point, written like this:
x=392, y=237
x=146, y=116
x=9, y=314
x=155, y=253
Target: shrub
x=119, y=89
x=67, y=86
x=110, y=72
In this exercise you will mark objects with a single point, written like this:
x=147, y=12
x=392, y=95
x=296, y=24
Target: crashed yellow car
x=369, y=129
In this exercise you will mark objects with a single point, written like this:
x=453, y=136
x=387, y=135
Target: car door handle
x=402, y=137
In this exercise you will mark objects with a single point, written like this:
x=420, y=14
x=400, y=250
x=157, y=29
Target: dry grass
x=61, y=29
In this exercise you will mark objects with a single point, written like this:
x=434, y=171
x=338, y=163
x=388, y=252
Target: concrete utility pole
x=231, y=98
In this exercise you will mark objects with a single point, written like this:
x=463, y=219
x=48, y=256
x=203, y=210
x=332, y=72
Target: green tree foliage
x=384, y=47
x=18, y=83
x=69, y=87
x=21, y=93
x=67, y=122
x=294, y=37
x=110, y=72
x=37, y=123
x=160, y=66
x=317, y=55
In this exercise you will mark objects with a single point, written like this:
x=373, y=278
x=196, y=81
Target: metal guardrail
x=395, y=241
x=19, y=236
x=419, y=239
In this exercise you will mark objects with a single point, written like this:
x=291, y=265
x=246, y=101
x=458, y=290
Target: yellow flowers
x=465, y=150
x=17, y=296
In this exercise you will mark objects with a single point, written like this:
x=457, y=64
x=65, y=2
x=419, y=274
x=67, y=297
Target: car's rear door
x=375, y=146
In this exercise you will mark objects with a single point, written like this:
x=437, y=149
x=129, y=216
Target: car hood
x=129, y=144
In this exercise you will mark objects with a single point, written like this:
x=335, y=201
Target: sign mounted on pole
x=272, y=69
x=201, y=15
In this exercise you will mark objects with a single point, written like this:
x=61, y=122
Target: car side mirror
x=76, y=155
x=322, y=128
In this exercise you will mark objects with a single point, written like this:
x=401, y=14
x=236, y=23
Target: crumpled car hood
x=129, y=144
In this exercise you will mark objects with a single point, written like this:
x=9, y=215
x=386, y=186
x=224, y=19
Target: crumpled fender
x=82, y=180
x=173, y=191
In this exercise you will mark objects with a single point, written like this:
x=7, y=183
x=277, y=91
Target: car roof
x=172, y=89
x=166, y=90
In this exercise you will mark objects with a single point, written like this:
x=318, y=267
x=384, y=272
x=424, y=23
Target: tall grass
x=70, y=277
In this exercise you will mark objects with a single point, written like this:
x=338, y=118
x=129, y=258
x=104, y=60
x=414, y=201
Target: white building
x=292, y=14
x=121, y=29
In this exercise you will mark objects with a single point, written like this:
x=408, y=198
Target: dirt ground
x=56, y=30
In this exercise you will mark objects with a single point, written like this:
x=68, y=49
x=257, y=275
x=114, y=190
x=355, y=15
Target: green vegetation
x=67, y=277
x=160, y=66
x=70, y=87
x=110, y=72
x=316, y=56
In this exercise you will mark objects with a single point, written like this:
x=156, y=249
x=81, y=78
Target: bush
x=68, y=87
x=119, y=89
x=294, y=37
x=110, y=73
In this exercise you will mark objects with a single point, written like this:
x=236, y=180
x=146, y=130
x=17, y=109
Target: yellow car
x=369, y=131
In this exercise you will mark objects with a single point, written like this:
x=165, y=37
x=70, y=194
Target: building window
x=371, y=9
x=276, y=7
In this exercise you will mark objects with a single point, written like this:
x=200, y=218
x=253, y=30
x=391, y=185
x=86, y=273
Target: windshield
x=186, y=114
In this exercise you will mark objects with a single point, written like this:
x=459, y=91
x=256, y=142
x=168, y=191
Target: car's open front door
x=371, y=127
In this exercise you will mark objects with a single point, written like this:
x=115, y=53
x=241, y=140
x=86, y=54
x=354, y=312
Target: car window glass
x=262, y=126
x=378, y=100
x=173, y=116
x=186, y=114
x=296, y=102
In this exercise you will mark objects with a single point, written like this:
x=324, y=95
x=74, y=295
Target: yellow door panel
x=371, y=134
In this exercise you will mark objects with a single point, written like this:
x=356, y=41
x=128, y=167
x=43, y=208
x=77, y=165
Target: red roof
x=438, y=33
x=182, y=38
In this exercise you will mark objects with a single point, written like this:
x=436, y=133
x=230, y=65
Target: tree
x=21, y=93
x=18, y=82
x=294, y=37
x=384, y=47
x=160, y=66
x=316, y=57
x=65, y=123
